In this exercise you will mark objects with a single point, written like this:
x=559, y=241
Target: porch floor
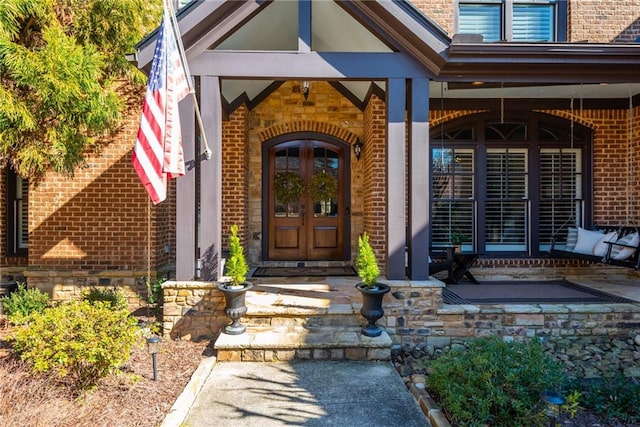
x=333, y=295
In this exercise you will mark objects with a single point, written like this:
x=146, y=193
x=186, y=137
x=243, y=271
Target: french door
x=307, y=212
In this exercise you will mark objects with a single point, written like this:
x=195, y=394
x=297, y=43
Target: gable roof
x=413, y=46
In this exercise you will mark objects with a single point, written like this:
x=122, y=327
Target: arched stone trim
x=566, y=114
x=309, y=126
x=437, y=118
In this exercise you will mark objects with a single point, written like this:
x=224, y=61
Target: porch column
x=186, y=197
x=419, y=168
x=210, y=238
x=396, y=230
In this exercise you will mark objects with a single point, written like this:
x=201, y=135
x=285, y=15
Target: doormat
x=303, y=271
x=527, y=292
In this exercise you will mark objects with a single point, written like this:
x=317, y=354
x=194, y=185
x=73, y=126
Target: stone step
x=308, y=322
x=267, y=344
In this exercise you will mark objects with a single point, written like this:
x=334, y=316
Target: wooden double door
x=309, y=221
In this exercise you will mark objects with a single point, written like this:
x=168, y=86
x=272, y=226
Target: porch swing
x=617, y=245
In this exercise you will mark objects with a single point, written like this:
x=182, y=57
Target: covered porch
x=416, y=119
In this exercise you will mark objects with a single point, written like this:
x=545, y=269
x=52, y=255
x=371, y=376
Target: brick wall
x=235, y=175
x=604, y=21
x=439, y=11
x=100, y=220
x=374, y=159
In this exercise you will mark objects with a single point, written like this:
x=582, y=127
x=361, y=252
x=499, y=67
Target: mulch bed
x=131, y=398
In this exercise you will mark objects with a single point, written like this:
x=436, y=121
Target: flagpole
x=168, y=4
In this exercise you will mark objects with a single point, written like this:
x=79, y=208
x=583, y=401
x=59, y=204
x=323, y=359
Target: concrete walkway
x=300, y=393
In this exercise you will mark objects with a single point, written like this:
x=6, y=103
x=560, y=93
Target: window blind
x=22, y=213
x=533, y=23
x=485, y=19
x=560, y=192
x=506, y=209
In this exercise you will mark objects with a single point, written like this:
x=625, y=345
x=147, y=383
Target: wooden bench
x=633, y=261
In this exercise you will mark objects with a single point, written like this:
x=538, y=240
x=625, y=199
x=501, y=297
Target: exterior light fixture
x=306, y=88
x=357, y=149
x=153, y=343
x=554, y=402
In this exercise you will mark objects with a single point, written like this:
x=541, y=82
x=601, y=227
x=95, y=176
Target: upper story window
x=513, y=20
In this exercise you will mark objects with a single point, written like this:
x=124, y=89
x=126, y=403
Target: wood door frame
x=266, y=146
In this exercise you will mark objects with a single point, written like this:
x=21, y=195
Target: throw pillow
x=601, y=248
x=587, y=240
x=572, y=238
x=620, y=252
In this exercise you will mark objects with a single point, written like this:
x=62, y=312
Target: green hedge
x=79, y=341
x=491, y=382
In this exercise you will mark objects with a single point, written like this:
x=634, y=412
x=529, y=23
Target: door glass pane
x=506, y=209
x=452, y=195
x=323, y=185
x=560, y=194
x=287, y=182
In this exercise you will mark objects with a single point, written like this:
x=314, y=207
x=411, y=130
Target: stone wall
x=67, y=285
x=415, y=315
x=192, y=310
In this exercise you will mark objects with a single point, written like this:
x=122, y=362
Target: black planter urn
x=235, y=306
x=372, y=307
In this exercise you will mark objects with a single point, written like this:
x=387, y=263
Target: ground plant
x=493, y=382
x=154, y=290
x=116, y=299
x=79, y=342
x=24, y=302
x=613, y=399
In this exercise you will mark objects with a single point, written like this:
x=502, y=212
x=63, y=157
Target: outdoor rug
x=303, y=271
x=526, y=292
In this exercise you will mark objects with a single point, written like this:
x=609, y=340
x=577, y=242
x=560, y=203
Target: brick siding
x=100, y=220
x=374, y=158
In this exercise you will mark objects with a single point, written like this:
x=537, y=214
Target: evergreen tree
x=61, y=62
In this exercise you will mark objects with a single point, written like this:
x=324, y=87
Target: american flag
x=158, y=155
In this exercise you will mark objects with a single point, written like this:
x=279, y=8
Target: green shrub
x=493, y=382
x=22, y=303
x=154, y=291
x=112, y=296
x=236, y=265
x=366, y=262
x=613, y=398
x=78, y=341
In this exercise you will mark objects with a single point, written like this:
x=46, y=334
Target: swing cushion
x=587, y=240
x=600, y=249
x=572, y=238
x=620, y=252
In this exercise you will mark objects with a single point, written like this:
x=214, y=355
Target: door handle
x=347, y=210
x=302, y=212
